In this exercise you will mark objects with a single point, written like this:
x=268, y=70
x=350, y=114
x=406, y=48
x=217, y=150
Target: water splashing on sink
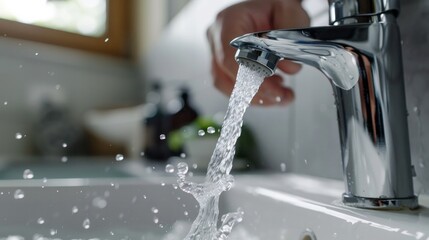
x=218, y=178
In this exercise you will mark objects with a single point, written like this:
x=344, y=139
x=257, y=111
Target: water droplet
x=306, y=33
x=155, y=220
x=86, y=223
x=283, y=167
x=195, y=166
x=305, y=161
x=183, y=155
x=416, y=110
x=44, y=180
x=5, y=103
x=40, y=220
x=18, y=136
x=186, y=213
x=278, y=99
x=64, y=159
x=211, y=130
x=141, y=154
x=163, y=184
x=106, y=39
x=64, y=145
x=201, y=133
x=75, y=209
x=162, y=137
x=28, y=174
x=53, y=232
x=155, y=210
x=20, y=66
x=57, y=87
x=182, y=168
x=169, y=168
x=37, y=54
x=19, y=194
x=99, y=202
x=119, y=157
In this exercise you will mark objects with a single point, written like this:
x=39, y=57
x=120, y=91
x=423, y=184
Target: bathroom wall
x=304, y=135
x=80, y=81
x=413, y=21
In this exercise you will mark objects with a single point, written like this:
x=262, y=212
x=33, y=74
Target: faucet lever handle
x=352, y=11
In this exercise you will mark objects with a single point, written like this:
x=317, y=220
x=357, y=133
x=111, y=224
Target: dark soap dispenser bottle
x=157, y=126
x=186, y=114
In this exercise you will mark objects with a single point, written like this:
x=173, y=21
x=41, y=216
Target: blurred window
x=94, y=25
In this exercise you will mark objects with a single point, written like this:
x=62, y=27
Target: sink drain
x=308, y=234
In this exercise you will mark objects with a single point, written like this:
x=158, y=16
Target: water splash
x=40, y=221
x=19, y=136
x=119, y=157
x=75, y=209
x=218, y=179
x=169, y=168
x=86, y=223
x=27, y=174
x=19, y=194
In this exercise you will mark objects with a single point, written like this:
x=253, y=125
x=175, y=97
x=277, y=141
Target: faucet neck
x=359, y=11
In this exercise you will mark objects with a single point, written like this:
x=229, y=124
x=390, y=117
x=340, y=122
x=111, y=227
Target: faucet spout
x=311, y=46
x=364, y=64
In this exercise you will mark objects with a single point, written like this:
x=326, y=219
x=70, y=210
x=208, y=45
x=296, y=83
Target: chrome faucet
x=360, y=53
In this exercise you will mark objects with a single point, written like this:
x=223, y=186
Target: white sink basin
x=276, y=207
x=115, y=208
x=301, y=207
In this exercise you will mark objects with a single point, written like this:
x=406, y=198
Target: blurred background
x=89, y=88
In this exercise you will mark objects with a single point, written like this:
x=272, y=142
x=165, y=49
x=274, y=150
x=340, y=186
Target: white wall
x=413, y=22
x=30, y=71
x=305, y=134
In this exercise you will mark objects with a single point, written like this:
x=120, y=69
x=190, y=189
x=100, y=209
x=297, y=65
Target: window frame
x=114, y=41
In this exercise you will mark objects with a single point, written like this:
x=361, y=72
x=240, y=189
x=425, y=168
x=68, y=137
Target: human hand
x=254, y=16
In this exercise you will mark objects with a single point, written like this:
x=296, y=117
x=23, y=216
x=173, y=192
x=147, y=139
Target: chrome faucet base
x=380, y=203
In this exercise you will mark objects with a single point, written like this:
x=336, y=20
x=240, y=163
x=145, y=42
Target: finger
x=222, y=81
x=289, y=67
x=272, y=92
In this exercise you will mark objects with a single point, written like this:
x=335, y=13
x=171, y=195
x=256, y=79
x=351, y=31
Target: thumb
x=289, y=14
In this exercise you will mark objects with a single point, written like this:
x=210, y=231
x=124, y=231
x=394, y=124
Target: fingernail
x=287, y=98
